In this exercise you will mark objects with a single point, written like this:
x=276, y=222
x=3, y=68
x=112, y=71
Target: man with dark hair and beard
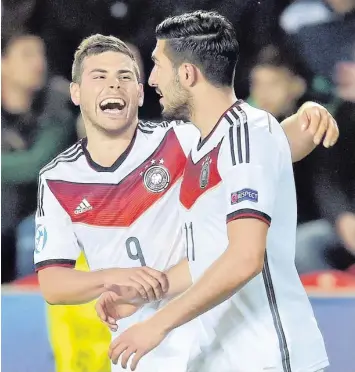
x=114, y=194
x=239, y=221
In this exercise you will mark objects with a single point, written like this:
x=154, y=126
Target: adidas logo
x=83, y=207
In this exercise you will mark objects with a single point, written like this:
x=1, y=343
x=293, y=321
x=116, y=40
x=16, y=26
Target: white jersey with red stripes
x=122, y=216
x=243, y=169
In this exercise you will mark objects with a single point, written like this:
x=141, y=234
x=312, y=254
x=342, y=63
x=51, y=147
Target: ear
x=75, y=93
x=188, y=74
x=140, y=95
x=299, y=87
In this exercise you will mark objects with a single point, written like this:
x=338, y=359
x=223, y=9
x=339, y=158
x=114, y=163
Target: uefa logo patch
x=40, y=238
x=156, y=178
x=245, y=194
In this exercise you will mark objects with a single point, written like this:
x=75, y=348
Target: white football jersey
x=122, y=216
x=243, y=169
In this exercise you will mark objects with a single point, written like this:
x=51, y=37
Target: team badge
x=205, y=172
x=40, y=238
x=156, y=178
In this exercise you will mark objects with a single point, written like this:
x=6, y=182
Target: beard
x=181, y=112
x=179, y=106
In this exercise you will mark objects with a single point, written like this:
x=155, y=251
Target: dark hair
x=205, y=39
x=97, y=44
x=9, y=37
x=282, y=56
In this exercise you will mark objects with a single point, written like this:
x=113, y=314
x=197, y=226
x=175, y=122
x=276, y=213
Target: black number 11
x=189, y=236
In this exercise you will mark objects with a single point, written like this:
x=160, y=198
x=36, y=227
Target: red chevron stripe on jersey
x=123, y=203
x=199, y=178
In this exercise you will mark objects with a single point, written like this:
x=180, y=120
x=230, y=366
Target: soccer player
x=239, y=210
x=114, y=195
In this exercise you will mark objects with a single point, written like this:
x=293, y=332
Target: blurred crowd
x=292, y=51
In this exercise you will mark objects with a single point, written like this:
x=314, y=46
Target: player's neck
x=209, y=106
x=105, y=148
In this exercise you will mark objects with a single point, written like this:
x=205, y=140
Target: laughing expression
x=109, y=93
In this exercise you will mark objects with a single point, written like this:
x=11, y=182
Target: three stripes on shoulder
x=238, y=130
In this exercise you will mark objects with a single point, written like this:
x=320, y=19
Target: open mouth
x=113, y=105
x=159, y=93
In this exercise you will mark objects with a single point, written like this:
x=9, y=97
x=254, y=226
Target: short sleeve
x=251, y=182
x=55, y=240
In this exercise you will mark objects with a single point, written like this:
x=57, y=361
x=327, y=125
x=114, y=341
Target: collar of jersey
x=202, y=142
x=115, y=165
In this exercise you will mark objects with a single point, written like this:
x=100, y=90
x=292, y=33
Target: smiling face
x=108, y=93
x=174, y=98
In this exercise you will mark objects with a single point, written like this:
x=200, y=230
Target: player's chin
x=114, y=125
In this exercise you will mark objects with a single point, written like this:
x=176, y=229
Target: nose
x=152, y=81
x=115, y=84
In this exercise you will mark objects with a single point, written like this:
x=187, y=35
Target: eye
x=99, y=77
x=126, y=77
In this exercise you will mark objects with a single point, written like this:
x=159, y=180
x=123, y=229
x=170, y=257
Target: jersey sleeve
x=252, y=178
x=55, y=240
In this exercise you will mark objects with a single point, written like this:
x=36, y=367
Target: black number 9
x=137, y=253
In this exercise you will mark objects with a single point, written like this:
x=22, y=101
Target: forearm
x=224, y=278
x=65, y=286
x=301, y=142
x=179, y=278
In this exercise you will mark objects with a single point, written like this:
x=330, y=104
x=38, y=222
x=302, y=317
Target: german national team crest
x=156, y=178
x=205, y=172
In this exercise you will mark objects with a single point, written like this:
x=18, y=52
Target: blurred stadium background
x=291, y=51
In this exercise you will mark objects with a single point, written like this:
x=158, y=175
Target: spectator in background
x=345, y=80
x=330, y=241
x=327, y=38
x=36, y=125
x=277, y=84
x=301, y=13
